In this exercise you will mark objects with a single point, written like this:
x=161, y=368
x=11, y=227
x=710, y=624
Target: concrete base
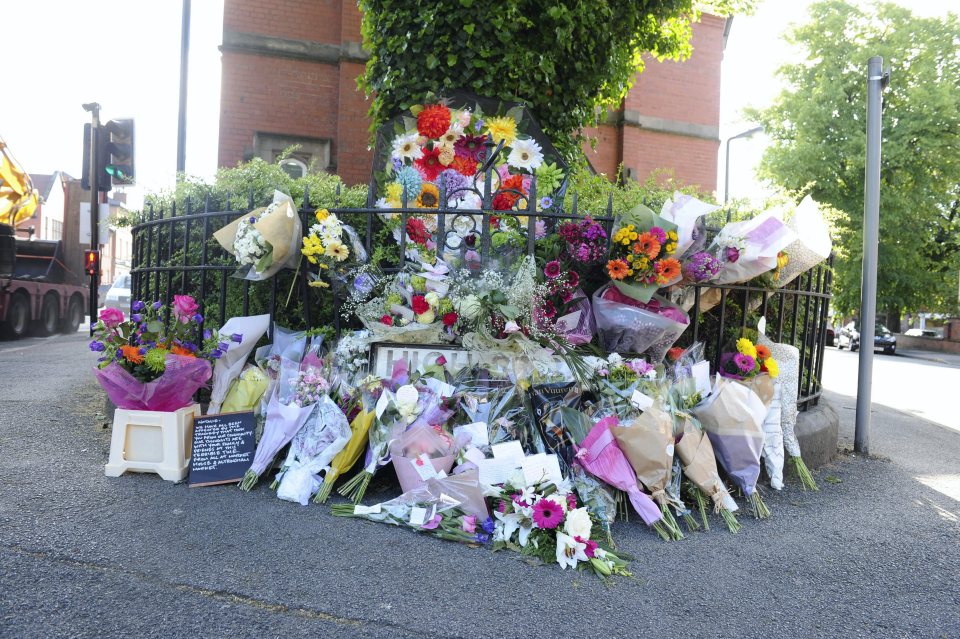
x=818, y=433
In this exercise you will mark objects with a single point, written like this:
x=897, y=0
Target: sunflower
x=502, y=128
x=617, y=269
x=648, y=245
x=668, y=270
x=429, y=197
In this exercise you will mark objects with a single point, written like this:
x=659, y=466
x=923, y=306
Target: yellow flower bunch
x=625, y=235
x=312, y=248
x=502, y=128
x=746, y=347
x=773, y=369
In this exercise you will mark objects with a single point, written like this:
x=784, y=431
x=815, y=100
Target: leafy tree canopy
x=818, y=127
x=567, y=60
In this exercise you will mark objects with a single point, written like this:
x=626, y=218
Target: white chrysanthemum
x=525, y=154
x=454, y=133
x=407, y=147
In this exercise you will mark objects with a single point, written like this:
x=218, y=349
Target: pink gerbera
x=547, y=514
x=552, y=269
x=744, y=362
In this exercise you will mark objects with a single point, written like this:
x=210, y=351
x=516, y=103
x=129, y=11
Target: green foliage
x=818, y=127
x=595, y=192
x=568, y=60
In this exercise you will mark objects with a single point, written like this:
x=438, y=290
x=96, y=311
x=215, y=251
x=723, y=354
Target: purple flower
x=546, y=203
x=156, y=305
x=136, y=317
x=198, y=318
x=732, y=254
x=397, y=164
x=143, y=327
x=137, y=306
x=363, y=283
x=97, y=346
x=478, y=125
x=207, y=333
x=471, y=256
x=583, y=253
x=659, y=233
x=744, y=362
x=252, y=219
x=223, y=346
x=540, y=230
x=216, y=354
x=236, y=337
x=455, y=183
x=552, y=269
x=488, y=525
x=482, y=538
x=142, y=350
x=433, y=523
x=639, y=366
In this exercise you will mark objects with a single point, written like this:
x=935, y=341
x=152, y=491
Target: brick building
x=289, y=77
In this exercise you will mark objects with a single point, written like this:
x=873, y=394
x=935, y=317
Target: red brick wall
x=314, y=20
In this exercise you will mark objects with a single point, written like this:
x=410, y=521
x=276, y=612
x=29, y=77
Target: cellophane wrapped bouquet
x=265, y=240
x=409, y=307
x=332, y=247
x=147, y=364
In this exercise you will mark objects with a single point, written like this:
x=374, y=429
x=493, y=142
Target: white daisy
x=525, y=154
x=407, y=147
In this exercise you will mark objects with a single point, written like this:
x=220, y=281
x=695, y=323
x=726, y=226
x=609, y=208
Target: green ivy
x=568, y=61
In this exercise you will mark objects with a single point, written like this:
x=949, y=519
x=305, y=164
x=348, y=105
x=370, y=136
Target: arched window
x=294, y=167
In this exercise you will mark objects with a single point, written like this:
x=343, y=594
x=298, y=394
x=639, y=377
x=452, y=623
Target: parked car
x=916, y=332
x=119, y=294
x=102, y=294
x=883, y=339
x=831, y=337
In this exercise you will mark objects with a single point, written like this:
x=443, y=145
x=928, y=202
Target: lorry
x=37, y=289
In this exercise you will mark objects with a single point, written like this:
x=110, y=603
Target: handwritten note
x=222, y=449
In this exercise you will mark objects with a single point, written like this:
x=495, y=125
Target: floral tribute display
x=147, y=364
x=517, y=390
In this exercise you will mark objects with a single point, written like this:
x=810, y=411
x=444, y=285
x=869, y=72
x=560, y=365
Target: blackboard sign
x=222, y=448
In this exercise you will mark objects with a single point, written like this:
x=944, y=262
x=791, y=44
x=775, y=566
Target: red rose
x=450, y=319
x=419, y=304
x=386, y=319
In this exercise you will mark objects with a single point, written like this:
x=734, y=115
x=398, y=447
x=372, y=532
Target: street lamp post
x=726, y=169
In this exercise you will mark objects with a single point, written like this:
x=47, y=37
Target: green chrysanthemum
x=549, y=177
x=418, y=283
x=156, y=359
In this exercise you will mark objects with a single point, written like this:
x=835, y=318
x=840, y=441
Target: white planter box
x=145, y=441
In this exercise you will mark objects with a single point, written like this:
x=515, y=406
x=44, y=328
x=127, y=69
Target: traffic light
x=91, y=262
x=119, y=152
x=103, y=180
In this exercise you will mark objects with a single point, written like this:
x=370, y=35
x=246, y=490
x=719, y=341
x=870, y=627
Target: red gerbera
x=504, y=201
x=417, y=231
x=449, y=320
x=429, y=165
x=419, y=304
x=433, y=121
x=464, y=166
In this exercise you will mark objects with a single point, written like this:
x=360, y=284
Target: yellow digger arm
x=18, y=198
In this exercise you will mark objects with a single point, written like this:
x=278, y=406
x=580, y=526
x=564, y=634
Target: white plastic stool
x=146, y=441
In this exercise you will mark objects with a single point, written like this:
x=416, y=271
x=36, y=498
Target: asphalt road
x=874, y=554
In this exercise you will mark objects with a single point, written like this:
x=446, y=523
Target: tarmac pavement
x=873, y=554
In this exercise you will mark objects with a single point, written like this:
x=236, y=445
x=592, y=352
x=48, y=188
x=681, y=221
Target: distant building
x=46, y=223
x=289, y=77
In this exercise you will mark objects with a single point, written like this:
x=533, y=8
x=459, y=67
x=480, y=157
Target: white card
x=447, y=499
x=383, y=402
x=360, y=509
x=474, y=455
x=511, y=450
x=641, y=401
x=541, y=467
x=418, y=516
x=477, y=431
x=701, y=377
x=441, y=474
x=440, y=388
x=497, y=471
x=424, y=467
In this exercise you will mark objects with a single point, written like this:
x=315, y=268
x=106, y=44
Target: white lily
x=570, y=551
x=520, y=520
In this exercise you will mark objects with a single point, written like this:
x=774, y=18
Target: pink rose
x=184, y=307
x=469, y=523
x=111, y=317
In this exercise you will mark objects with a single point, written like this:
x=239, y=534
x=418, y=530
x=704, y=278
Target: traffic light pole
x=94, y=110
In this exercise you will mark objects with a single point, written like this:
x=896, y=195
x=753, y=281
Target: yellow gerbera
x=773, y=369
x=746, y=347
x=338, y=250
x=322, y=214
x=502, y=128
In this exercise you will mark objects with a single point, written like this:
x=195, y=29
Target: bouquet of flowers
x=701, y=267
x=496, y=402
x=451, y=508
x=566, y=308
x=700, y=467
x=643, y=254
x=753, y=367
x=331, y=245
x=545, y=521
x=584, y=241
x=618, y=378
x=812, y=246
x=232, y=365
x=420, y=453
x=145, y=364
x=410, y=309
x=265, y=240
x=733, y=418
x=687, y=213
x=748, y=249
x=625, y=325
x=290, y=407
x=311, y=452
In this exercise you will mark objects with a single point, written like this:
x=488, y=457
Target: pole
x=876, y=81
x=726, y=169
x=184, y=67
x=94, y=110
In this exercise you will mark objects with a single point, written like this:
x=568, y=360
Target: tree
x=818, y=127
x=567, y=60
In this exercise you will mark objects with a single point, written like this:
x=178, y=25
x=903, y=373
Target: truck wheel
x=18, y=317
x=49, y=316
x=71, y=323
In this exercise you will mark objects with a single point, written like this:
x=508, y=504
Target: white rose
x=614, y=359
x=432, y=299
x=426, y=318
x=469, y=307
x=578, y=523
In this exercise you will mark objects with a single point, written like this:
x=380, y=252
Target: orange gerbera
x=649, y=245
x=762, y=351
x=176, y=349
x=617, y=269
x=132, y=354
x=667, y=270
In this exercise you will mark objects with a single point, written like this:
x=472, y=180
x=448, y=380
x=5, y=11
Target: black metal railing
x=174, y=252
